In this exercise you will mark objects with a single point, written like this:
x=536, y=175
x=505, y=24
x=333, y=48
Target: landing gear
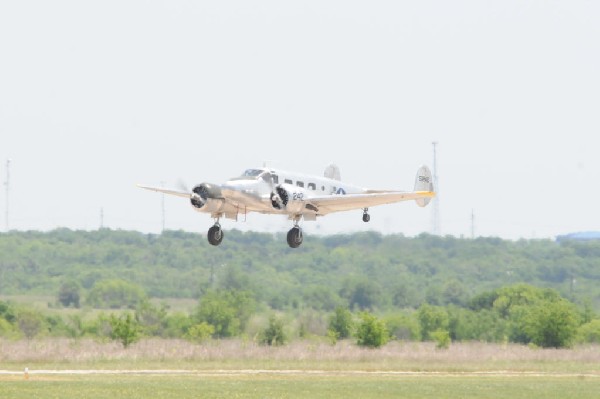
x=215, y=234
x=294, y=237
x=366, y=216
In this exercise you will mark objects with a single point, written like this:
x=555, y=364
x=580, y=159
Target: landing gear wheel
x=366, y=217
x=294, y=237
x=215, y=235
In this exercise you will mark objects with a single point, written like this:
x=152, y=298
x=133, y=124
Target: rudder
x=424, y=182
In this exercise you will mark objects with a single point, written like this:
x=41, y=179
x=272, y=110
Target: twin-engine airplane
x=296, y=195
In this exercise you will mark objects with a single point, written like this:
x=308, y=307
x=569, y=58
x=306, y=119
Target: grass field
x=302, y=385
x=61, y=368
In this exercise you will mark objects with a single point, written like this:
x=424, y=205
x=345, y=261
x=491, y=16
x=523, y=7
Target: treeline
x=363, y=286
x=519, y=313
x=362, y=271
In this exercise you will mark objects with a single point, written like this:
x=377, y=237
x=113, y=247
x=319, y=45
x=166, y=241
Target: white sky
x=97, y=96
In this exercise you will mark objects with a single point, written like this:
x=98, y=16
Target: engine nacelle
x=289, y=199
x=202, y=193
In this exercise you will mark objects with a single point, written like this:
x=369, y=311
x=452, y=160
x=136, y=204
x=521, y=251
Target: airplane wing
x=338, y=203
x=170, y=191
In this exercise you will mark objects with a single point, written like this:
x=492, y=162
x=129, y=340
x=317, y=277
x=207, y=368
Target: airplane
x=296, y=195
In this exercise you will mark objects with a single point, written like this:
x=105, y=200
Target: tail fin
x=332, y=171
x=423, y=182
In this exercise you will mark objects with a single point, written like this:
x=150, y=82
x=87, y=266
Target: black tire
x=366, y=217
x=215, y=235
x=294, y=237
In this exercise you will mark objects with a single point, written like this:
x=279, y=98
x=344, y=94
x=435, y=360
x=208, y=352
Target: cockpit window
x=249, y=174
x=252, y=172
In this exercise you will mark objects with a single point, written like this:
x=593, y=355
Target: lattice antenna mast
x=472, y=223
x=162, y=206
x=7, y=184
x=436, y=230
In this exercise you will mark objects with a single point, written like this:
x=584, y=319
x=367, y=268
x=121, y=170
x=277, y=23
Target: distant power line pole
x=472, y=224
x=101, y=218
x=7, y=184
x=162, y=206
x=436, y=230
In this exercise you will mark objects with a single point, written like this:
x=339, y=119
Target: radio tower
x=7, y=184
x=472, y=224
x=436, y=201
x=162, y=207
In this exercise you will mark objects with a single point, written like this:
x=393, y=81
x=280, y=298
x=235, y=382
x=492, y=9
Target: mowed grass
x=299, y=386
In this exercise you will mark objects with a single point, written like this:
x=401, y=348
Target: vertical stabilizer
x=423, y=182
x=332, y=171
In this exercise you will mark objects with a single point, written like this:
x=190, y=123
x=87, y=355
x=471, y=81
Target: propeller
x=180, y=184
x=276, y=192
x=198, y=195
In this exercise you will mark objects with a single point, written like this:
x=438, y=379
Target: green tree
x=551, y=324
x=484, y=325
x=274, y=334
x=99, y=327
x=115, y=294
x=177, y=324
x=508, y=298
x=7, y=312
x=371, y=332
x=8, y=319
x=125, y=329
x=30, y=322
x=200, y=332
x=6, y=329
x=589, y=332
x=152, y=319
x=69, y=294
x=432, y=318
x=341, y=323
x=403, y=327
x=441, y=338
x=74, y=326
x=321, y=298
x=454, y=293
x=227, y=311
x=361, y=294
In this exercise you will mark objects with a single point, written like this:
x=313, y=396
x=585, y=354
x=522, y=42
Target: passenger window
x=312, y=186
x=275, y=179
x=322, y=188
x=300, y=184
x=288, y=181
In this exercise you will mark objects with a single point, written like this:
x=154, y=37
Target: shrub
x=99, y=328
x=551, y=324
x=152, y=319
x=371, y=332
x=589, y=332
x=441, y=338
x=124, y=329
x=177, y=324
x=227, y=311
x=200, y=332
x=403, y=327
x=6, y=329
x=273, y=335
x=30, y=323
x=341, y=323
x=432, y=318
